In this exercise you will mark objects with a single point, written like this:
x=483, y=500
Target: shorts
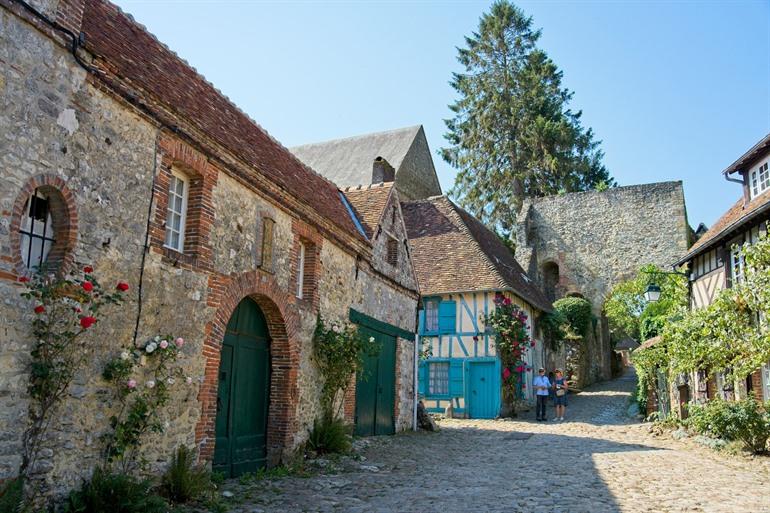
x=560, y=400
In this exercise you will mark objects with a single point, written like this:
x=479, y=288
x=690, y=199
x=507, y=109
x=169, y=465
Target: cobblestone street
x=597, y=460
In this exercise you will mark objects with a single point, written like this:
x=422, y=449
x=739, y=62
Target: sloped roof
x=167, y=82
x=627, y=343
x=735, y=217
x=746, y=159
x=650, y=342
x=348, y=162
x=452, y=252
x=369, y=203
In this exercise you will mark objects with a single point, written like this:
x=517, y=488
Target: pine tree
x=513, y=134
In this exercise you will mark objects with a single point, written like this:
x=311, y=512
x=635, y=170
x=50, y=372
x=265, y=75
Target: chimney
x=382, y=171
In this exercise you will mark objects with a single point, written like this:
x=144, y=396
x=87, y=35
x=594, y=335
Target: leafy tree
x=513, y=134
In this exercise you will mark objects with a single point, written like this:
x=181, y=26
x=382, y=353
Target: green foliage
x=114, y=493
x=744, y=421
x=330, y=435
x=512, y=341
x=512, y=134
x=184, y=480
x=339, y=352
x=732, y=332
x=142, y=379
x=64, y=308
x=630, y=315
x=12, y=496
x=576, y=312
x=643, y=384
x=552, y=325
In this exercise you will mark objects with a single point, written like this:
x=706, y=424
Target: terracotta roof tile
x=136, y=57
x=369, y=203
x=729, y=220
x=452, y=251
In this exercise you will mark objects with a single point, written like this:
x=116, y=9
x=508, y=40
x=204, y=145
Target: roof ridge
x=203, y=78
x=536, y=199
x=359, y=136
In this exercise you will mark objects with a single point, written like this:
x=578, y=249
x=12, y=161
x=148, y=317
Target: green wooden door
x=375, y=388
x=244, y=393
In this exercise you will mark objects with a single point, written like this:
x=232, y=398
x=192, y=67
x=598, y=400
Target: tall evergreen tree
x=513, y=134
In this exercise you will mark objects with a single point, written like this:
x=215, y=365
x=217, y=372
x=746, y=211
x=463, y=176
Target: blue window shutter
x=422, y=378
x=447, y=313
x=456, y=381
x=421, y=322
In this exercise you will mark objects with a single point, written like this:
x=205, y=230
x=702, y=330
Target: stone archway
x=279, y=309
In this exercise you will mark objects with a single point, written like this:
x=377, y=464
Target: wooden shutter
x=447, y=313
x=267, y=244
x=456, y=378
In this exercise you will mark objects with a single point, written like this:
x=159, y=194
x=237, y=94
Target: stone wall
x=416, y=176
x=56, y=125
x=598, y=239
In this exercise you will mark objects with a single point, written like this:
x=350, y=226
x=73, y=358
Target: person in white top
x=542, y=385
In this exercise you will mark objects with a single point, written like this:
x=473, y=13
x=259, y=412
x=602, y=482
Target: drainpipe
x=416, y=358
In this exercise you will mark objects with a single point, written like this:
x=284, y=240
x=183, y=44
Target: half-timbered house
x=461, y=266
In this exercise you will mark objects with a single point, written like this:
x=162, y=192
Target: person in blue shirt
x=542, y=386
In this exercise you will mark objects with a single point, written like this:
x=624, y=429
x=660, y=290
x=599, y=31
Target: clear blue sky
x=675, y=90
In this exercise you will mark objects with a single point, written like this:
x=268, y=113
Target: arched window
x=36, y=230
x=551, y=280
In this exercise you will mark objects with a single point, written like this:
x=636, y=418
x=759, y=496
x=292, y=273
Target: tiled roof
x=737, y=215
x=369, y=202
x=348, y=162
x=650, y=342
x=452, y=252
x=138, y=59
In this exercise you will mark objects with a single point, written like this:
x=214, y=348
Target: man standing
x=542, y=385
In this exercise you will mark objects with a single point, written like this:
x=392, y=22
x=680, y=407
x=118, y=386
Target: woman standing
x=560, y=388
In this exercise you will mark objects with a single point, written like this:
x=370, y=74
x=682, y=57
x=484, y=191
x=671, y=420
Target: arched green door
x=243, y=394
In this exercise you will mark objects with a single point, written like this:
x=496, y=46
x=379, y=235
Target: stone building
x=583, y=243
x=401, y=156
x=138, y=166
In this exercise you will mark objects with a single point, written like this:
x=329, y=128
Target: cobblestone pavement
x=598, y=460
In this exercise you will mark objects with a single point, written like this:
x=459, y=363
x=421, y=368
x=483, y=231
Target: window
x=431, y=316
x=37, y=235
x=300, y=270
x=176, y=213
x=759, y=179
x=267, y=244
x=392, y=251
x=438, y=378
x=736, y=256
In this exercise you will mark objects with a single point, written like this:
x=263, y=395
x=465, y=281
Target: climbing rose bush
x=143, y=377
x=64, y=309
x=509, y=323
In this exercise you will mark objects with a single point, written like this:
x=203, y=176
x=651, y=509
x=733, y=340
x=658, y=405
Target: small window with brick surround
x=176, y=213
x=301, y=270
x=268, y=226
x=36, y=230
x=392, y=251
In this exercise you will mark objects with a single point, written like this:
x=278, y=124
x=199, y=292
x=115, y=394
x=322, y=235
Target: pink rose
x=507, y=301
x=163, y=344
x=131, y=383
x=179, y=342
x=506, y=373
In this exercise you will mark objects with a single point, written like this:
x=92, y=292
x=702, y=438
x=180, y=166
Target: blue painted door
x=483, y=390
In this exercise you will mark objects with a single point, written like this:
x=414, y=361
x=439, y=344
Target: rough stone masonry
x=105, y=158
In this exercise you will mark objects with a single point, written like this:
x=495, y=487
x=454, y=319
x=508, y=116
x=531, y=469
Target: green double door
x=243, y=394
x=375, y=387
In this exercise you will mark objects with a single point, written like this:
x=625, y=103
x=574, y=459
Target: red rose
x=39, y=309
x=23, y=279
x=122, y=286
x=87, y=322
x=88, y=269
x=88, y=286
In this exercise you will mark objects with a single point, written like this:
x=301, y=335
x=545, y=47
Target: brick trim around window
x=312, y=240
x=279, y=309
x=203, y=176
x=64, y=216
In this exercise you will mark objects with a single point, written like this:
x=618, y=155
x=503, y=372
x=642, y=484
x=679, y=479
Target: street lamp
x=652, y=294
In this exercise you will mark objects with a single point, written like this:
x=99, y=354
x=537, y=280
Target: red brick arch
x=64, y=215
x=280, y=311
